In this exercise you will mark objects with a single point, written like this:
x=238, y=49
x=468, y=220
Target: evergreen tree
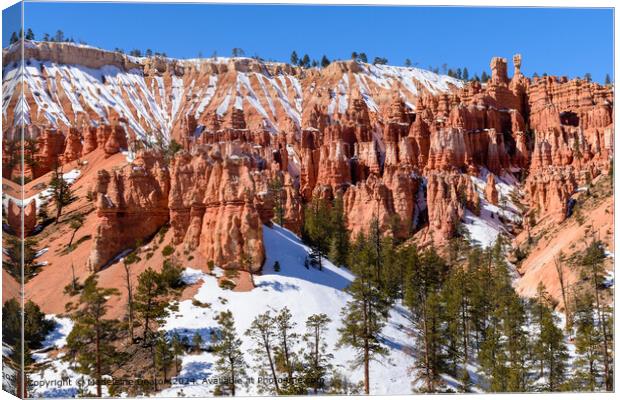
x=59, y=36
x=261, y=331
x=177, y=348
x=425, y=274
x=407, y=62
x=484, y=77
x=588, y=360
x=92, y=336
x=305, y=61
x=363, y=57
x=29, y=34
x=317, y=230
x=316, y=356
x=339, y=244
x=365, y=314
x=75, y=222
x=325, y=61
x=276, y=187
x=197, y=342
x=164, y=356
x=230, y=364
x=607, y=79
x=592, y=268
x=60, y=191
x=465, y=74
x=150, y=303
x=294, y=58
x=284, y=354
x=550, y=352
x=237, y=52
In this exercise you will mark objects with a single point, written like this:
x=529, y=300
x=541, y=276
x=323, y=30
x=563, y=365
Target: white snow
x=485, y=228
x=304, y=292
x=55, y=377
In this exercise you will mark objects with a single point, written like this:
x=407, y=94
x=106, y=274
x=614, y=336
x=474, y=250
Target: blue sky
x=557, y=41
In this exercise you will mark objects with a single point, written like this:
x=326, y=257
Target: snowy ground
x=304, y=292
x=56, y=377
x=485, y=228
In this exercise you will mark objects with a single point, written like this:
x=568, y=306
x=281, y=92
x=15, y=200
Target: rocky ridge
x=398, y=147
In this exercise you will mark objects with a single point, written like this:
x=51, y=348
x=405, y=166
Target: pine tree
x=550, y=351
x=316, y=356
x=588, y=340
x=131, y=258
x=465, y=74
x=484, y=77
x=558, y=262
x=294, y=58
x=339, y=244
x=285, y=354
x=261, y=331
x=230, y=365
x=92, y=336
x=164, y=356
x=13, y=38
x=425, y=274
x=305, y=61
x=59, y=36
x=197, y=342
x=276, y=187
x=75, y=222
x=363, y=57
x=177, y=350
x=325, y=61
x=29, y=34
x=60, y=191
x=407, y=62
x=607, y=79
x=365, y=314
x=592, y=267
x=456, y=298
x=150, y=303
x=317, y=230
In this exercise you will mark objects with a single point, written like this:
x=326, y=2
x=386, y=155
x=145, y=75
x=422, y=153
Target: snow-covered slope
x=272, y=95
x=304, y=292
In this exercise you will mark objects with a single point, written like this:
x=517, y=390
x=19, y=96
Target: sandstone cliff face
x=15, y=213
x=214, y=208
x=401, y=152
x=131, y=205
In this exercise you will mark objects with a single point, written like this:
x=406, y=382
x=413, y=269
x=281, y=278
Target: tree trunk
x=129, y=303
x=601, y=320
x=273, y=370
x=232, y=373
x=366, y=349
x=73, y=236
x=98, y=360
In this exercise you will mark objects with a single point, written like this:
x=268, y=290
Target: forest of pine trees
x=466, y=322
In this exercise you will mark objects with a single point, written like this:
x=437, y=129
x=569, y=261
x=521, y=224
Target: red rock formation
x=490, y=191
x=49, y=147
x=131, y=205
x=14, y=217
x=73, y=146
x=214, y=209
